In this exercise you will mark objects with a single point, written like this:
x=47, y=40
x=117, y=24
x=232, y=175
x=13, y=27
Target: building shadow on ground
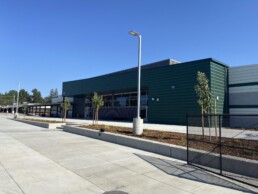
x=183, y=170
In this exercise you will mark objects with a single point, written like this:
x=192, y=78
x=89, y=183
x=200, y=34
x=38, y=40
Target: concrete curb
x=42, y=124
x=134, y=142
x=230, y=164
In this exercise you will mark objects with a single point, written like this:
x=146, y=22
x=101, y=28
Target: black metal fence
x=224, y=144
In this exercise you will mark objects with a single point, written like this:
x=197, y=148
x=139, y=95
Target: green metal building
x=167, y=91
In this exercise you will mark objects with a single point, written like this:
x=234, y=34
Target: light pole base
x=137, y=126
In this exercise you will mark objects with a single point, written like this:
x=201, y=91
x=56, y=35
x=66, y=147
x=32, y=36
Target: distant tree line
x=35, y=96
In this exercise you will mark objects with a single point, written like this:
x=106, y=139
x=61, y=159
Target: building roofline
x=143, y=67
x=153, y=65
x=243, y=66
x=208, y=59
x=219, y=62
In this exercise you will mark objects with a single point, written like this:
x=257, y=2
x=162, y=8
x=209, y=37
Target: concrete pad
x=7, y=184
x=67, y=139
x=58, y=162
x=214, y=190
x=105, y=173
x=174, y=181
x=97, y=149
x=113, y=156
x=79, y=162
x=63, y=154
x=61, y=182
x=84, y=146
x=136, y=165
x=140, y=184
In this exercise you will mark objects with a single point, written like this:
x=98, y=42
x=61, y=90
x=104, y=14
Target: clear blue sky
x=46, y=42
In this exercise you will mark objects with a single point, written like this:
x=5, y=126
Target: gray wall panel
x=243, y=74
x=248, y=98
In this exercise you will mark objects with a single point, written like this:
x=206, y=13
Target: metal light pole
x=13, y=104
x=17, y=104
x=138, y=122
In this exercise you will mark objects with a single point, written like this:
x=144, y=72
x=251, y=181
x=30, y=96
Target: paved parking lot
x=37, y=160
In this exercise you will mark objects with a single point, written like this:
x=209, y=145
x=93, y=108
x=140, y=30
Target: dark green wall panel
x=174, y=103
x=219, y=87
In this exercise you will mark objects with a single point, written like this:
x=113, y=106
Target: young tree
x=65, y=106
x=97, y=103
x=25, y=107
x=204, y=96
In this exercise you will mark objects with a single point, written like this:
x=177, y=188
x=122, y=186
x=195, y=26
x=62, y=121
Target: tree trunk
x=65, y=115
x=202, y=122
x=209, y=125
x=96, y=116
x=93, y=115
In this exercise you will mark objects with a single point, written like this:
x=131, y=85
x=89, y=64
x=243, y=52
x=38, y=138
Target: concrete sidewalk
x=37, y=160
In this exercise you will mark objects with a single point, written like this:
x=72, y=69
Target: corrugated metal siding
x=243, y=96
x=243, y=74
x=174, y=103
x=243, y=110
x=243, y=89
x=219, y=88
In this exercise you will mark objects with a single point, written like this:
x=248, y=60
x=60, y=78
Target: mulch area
x=197, y=141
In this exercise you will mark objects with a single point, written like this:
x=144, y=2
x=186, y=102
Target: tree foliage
x=65, y=105
x=97, y=103
x=36, y=96
x=10, y=97
x=24, y=96
x=25, y=107
x=6, y=100
x=202, y=90
x=204, y=96
x=52, y=93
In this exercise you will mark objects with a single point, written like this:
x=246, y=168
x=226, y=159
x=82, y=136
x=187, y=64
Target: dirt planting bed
x=202, y=143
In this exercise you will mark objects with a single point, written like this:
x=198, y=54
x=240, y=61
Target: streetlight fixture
x=138, y=122
x=17, y=104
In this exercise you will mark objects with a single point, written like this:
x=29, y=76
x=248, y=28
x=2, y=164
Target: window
x=122, y=99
